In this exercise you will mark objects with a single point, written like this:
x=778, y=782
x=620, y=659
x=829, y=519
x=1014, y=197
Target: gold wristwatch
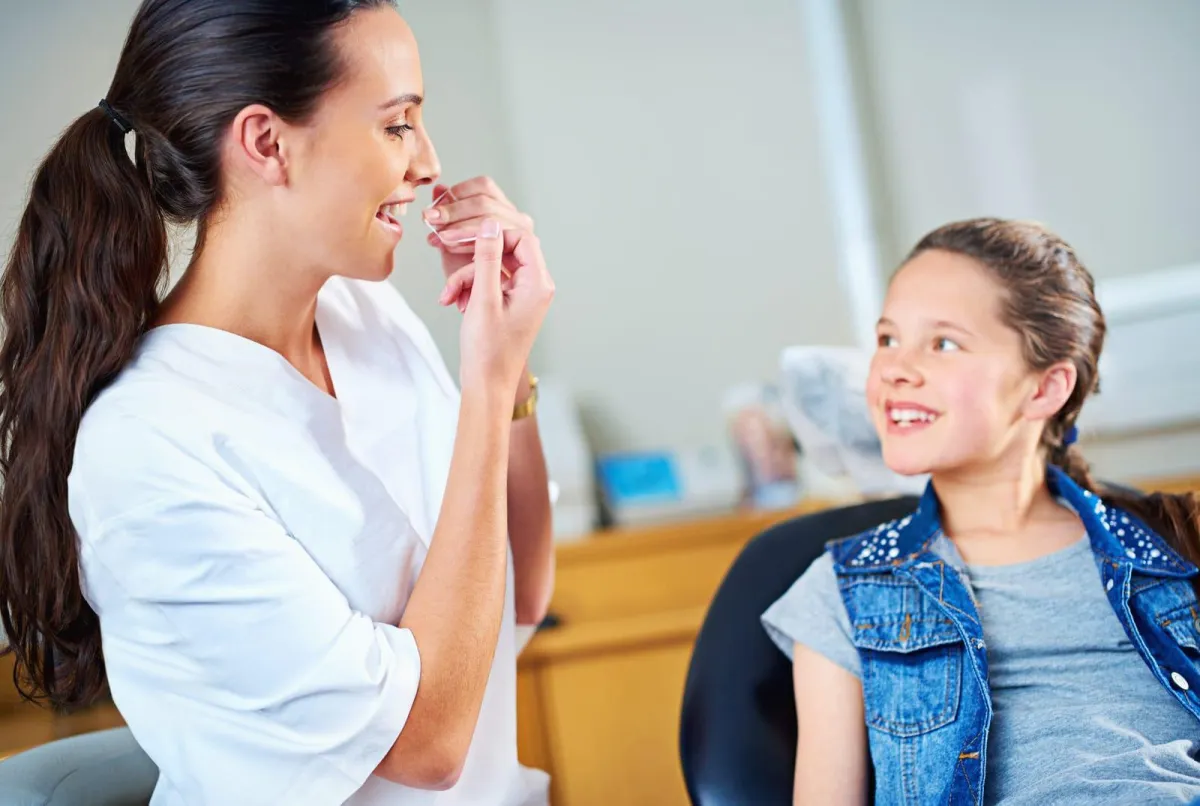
x=529, y=405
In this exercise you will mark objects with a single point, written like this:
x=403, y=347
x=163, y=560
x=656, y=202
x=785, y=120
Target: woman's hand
x=457, y=216
x=502, y=315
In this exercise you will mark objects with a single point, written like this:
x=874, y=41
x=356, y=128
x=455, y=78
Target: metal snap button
x=1180, y=681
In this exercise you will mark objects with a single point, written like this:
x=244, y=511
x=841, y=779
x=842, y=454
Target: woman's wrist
x=485, y=403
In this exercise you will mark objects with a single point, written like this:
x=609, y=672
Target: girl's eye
x=945, y=345
x=399, y=131
x=884, y=340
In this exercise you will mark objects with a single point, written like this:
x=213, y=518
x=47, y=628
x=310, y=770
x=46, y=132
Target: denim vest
x=924, y=660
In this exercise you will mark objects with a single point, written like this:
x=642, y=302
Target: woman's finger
x=465, y=232
x=487, y=265
x=448, y=213
x=529, y=266
x=464, y=295
x=464, y=243
x=526, y=251
x=478, y=186
x=458, y=285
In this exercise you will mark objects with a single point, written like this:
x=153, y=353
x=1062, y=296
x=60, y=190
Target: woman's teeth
x=394, y=211
x=910, y=416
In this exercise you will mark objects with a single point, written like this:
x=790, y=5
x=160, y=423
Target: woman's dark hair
x=88, y=266
x=1051, y=302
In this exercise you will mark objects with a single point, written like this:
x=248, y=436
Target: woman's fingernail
x=433, y=214
x=490, y=229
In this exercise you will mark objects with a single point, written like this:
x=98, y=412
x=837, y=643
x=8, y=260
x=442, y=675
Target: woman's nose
x=424, y=168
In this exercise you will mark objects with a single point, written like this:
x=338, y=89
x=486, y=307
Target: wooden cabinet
x=24, y=725
x=599, y=695
x=8, y=691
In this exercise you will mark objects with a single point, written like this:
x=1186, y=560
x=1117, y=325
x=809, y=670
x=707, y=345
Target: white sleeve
x=240, y=667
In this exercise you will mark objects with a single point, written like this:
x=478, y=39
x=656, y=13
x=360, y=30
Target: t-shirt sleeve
x=231, y=654
x=812, y=613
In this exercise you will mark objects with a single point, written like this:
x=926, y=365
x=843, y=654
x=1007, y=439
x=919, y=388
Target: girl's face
x=949, y=388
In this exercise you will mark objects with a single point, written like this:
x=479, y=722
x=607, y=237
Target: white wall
x=668, y=150
x=1084, y=114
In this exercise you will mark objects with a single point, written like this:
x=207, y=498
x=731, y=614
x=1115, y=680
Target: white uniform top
x=249, y=544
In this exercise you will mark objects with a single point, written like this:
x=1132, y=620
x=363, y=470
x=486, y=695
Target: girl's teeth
x=912, y=415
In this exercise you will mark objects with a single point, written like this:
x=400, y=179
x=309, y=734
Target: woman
x=284, y=532
x=1024, y=637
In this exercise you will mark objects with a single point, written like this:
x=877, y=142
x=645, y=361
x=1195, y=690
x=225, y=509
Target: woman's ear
x=255, y=144
x=1052, y=392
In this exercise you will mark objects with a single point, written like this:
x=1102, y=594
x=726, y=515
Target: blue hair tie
x=1070, y=437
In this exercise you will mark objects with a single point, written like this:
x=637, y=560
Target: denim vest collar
x=1115, y=535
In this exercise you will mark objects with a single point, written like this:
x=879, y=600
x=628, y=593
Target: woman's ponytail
x=80, y=285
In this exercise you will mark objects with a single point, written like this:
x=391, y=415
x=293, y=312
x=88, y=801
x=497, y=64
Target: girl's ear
x=1052, y=392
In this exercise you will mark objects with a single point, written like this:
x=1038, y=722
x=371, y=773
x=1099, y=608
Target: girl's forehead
x=944, y=285
x=940, y=289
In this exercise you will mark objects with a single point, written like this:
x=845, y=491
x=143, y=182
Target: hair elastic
x=125, y=126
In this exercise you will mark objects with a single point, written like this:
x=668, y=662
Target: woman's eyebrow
x=401, y=100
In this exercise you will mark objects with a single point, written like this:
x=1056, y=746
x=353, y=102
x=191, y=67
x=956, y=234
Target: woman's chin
x=386, y=268
x=373, y=270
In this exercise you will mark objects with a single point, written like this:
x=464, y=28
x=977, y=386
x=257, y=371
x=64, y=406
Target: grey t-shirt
x=1079, y=718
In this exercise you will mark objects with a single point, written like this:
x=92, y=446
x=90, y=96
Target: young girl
x=1022, y=638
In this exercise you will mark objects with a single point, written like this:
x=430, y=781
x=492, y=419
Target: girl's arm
x=831, y=754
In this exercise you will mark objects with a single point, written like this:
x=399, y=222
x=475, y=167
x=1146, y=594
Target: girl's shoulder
x=811, y=613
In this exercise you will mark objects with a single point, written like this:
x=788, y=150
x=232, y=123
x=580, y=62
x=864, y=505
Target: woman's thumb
x=489, y=253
